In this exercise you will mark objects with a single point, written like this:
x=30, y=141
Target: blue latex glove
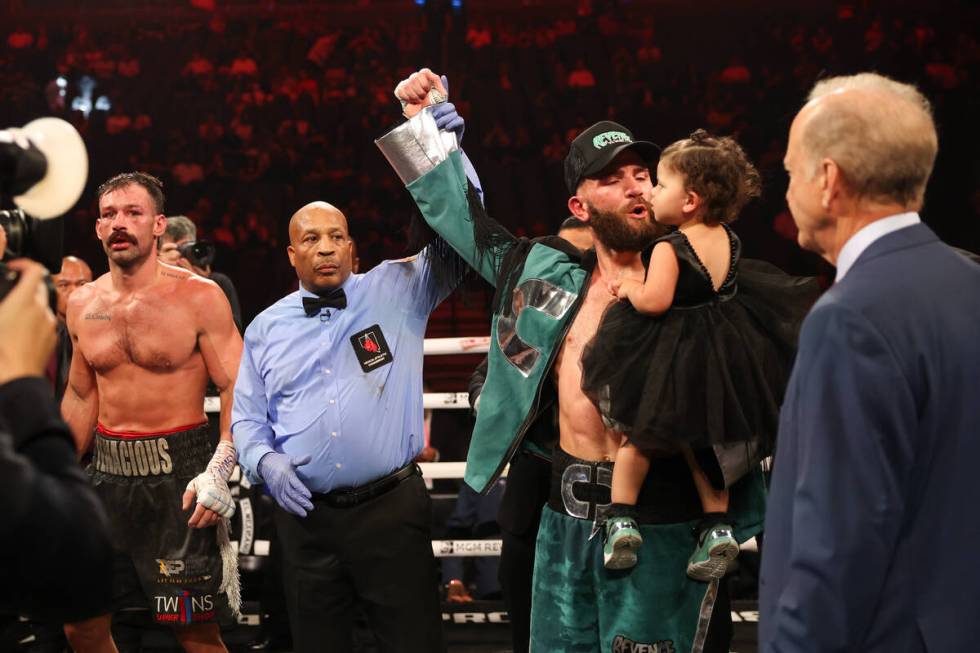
x=279, y=474
x=446, y=116
x=448, y=119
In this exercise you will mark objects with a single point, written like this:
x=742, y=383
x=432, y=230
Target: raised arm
x=443, y=182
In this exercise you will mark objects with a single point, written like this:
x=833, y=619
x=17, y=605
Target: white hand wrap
x=211, y=485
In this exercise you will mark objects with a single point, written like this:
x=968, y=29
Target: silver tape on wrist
x=416, y=146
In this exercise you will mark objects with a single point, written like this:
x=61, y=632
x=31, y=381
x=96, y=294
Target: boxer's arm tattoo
x=98, y=316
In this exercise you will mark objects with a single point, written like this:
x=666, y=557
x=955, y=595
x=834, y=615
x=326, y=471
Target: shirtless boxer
x=147, y=336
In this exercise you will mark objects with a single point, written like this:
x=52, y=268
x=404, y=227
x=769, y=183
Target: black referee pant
x=377, y=553
x=525, y=494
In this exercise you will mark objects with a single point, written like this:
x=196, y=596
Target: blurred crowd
x=247, y=115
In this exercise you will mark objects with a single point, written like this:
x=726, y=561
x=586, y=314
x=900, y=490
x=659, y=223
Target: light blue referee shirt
x=302, y=388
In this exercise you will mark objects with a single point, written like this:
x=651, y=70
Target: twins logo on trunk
x=184, y=608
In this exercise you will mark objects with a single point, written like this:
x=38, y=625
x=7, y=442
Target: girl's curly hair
x=718, y=171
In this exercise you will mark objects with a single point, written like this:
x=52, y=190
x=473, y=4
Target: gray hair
x=880, y=133
x=180, y=227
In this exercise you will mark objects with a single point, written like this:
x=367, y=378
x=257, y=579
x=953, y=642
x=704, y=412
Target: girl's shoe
x=622, y=541
x=716, y=550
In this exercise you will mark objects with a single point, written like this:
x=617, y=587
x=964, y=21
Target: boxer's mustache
x=121, y=236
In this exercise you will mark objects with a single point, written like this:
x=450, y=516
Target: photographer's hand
x=27, y=325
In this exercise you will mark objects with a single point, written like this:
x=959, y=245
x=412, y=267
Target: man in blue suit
x=872, y=526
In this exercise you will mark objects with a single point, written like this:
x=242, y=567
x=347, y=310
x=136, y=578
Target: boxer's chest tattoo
x=138, y=333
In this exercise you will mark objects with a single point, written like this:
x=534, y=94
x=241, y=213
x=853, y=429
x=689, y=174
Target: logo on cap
x=609, y=138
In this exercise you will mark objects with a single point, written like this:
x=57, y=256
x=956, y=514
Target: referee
x=328, y=414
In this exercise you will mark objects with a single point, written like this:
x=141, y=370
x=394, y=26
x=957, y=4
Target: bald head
x=74, y=274
x=311, y=213
x=75, y=267
x=320, y=248
x=879, y=132
x=871, y=82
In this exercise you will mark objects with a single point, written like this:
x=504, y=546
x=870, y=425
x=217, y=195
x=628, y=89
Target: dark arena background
x=247, y=110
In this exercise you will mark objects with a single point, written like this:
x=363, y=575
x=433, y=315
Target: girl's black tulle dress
x=713, y=368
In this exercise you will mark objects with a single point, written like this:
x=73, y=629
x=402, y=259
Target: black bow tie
x=336, y=298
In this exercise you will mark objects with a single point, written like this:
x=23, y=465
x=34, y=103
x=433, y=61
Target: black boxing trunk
x=162, y=564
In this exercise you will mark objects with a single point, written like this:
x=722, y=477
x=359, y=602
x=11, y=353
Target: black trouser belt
x=349, y=497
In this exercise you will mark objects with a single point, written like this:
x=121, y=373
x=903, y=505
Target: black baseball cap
x=597, y=146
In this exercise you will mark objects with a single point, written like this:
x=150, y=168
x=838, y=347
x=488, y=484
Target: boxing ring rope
x=443, y=346
x=447, y=470
x=430, y=400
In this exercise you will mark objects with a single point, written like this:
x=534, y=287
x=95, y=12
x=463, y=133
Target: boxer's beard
x=622, y=234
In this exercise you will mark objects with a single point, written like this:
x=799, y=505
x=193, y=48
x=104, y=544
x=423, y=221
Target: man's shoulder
x=281, y=306
x=201, y=287
x=550, y=258
x=404, y=260
x=558, y=243
x=272, y=316
x=403, y=265
x=388, y=270
x=838, y=320
x=928, y=270
x=884, y=303
x=190, y=289
x=85, y=294
x=82, y=298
